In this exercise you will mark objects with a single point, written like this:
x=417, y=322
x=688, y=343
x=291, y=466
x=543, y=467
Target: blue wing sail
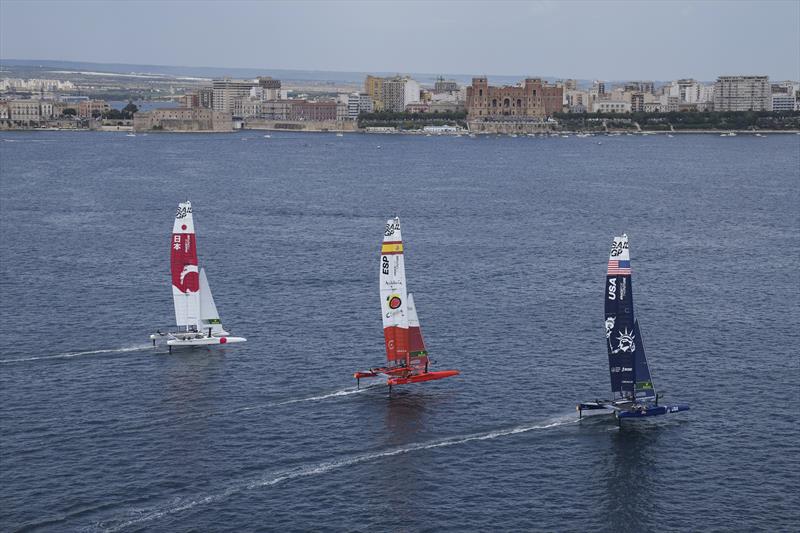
x=621, y=338
x=643, y=383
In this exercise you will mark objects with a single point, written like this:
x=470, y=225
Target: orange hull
x=419, y=378
x=402, y=376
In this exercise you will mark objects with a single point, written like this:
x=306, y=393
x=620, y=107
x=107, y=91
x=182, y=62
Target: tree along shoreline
x=698, y=121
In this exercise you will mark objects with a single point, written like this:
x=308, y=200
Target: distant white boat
x=130, y=134
x=268, y=136
x=340, y=134
x=195, y=312
x=670, y=135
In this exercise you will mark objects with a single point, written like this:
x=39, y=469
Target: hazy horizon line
x=28, y=61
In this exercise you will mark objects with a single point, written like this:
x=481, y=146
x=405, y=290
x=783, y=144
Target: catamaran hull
x=206, y=341
x=652, y=411
x=405, y=380
x=428, y=376
x=593, y=409
x=627, y=410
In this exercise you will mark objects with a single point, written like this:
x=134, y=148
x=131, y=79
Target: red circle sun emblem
x=394, y=302
x=183, y=227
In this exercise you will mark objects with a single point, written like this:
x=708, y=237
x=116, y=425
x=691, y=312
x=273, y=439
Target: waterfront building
x=341, y=111
x=270, y=88
x=92, y=108
x=637, y=102
x=612, y=106
x=783, y=102
x=444, y=86
x=226, y=91
x=532, y=98
x=787, y=91
x=438, y=130
x=576, y=101
x=418, y=107
x=316, y=111
x=373, y=87
x=276, y=109
x=652, y=106
x=183, y=119
x=640, y=86
x=446, y=106
x=742, y=93
x=35, y=85
x=190, y=100
x=205, y=98
x=358, y=103
x=398, y=92
x=248, y=107
x=669, y=103
x=29, y=111
x=4, y=111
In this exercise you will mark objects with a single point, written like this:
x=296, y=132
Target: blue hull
x=652, y=411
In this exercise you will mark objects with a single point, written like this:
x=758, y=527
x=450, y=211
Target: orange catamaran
x=406, y=356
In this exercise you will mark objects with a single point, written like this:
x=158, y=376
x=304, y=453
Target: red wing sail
x=418, y=355
x=396, y=345
x=183, y=264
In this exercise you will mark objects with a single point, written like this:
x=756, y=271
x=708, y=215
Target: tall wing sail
x=621, y=335
x=643, y=383
x=209, y=317
x=418, y=355
x=394, y=304
x=183, y=261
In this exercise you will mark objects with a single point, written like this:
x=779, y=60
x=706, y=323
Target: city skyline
x=609, y=41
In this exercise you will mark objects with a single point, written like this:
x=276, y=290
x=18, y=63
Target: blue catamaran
x=634, y=393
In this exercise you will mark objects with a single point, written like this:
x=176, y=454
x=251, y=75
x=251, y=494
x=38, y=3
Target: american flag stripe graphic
x=619, y=268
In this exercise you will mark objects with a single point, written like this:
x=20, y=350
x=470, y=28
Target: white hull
x=205, y=341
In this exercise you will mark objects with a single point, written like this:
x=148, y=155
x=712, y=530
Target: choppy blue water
x=506, y=249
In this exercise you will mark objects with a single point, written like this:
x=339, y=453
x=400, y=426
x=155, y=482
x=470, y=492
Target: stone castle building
x=182, y=119
x=534, y=98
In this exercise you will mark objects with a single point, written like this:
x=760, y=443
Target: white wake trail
x=78, y=354
x=276, y=478
x=342, y=392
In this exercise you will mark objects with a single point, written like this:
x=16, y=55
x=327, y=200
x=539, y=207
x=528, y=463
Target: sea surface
x=507, y=241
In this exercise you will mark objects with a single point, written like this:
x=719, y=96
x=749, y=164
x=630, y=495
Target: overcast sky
x=659, y=40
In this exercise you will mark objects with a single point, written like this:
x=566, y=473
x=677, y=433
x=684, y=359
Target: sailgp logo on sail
x=183, y=210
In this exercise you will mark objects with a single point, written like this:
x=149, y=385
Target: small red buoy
x=223, y=340
x=183, y=227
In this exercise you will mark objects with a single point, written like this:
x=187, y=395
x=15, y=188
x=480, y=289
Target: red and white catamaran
x=195, y=312
x=406, y=356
